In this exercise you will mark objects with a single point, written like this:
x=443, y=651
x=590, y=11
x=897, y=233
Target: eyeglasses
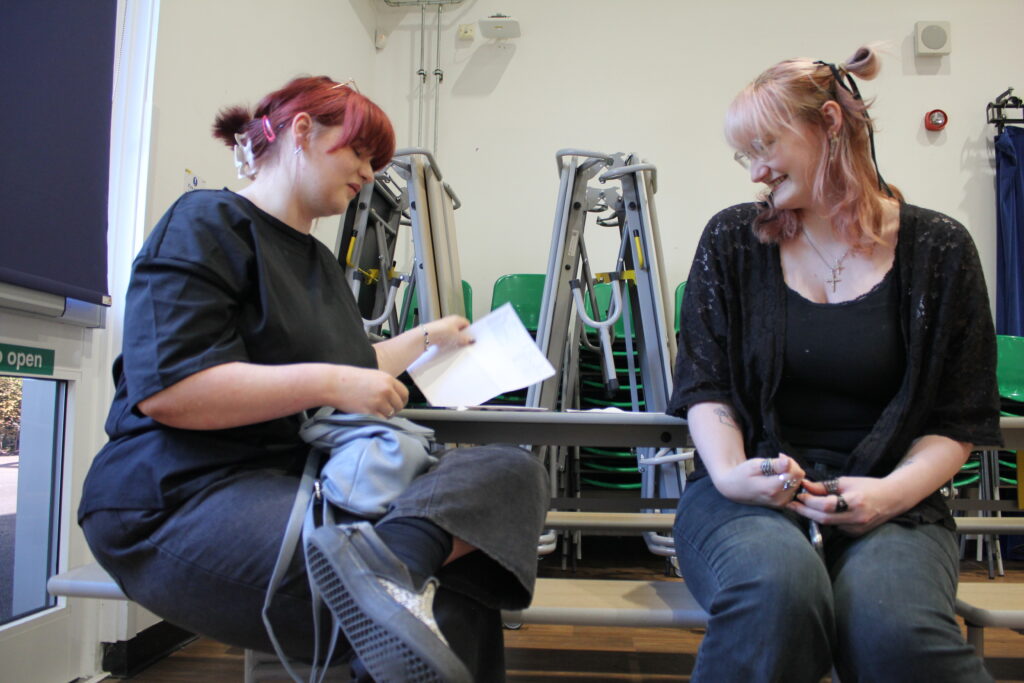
x=350, y=84
x=759, y=149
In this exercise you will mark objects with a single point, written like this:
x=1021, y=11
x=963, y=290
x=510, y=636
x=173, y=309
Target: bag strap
x=293, y=530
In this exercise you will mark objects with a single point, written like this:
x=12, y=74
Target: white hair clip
x=244, y=161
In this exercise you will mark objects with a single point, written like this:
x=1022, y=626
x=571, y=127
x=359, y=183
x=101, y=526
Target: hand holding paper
x=503, y=358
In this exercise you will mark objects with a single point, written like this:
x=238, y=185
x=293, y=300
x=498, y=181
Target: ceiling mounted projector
x=499, y=27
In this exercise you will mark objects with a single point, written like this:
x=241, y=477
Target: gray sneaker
x=387, y=621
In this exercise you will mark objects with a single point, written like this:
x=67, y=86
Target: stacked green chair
x=525, y=292
x=1010, y=373
x=990, y=470
x=605, y=468
x=680, y=290
x=1010, y=377
x=412, y=318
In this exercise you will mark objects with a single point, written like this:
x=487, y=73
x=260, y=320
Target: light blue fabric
x=371, y=460
x=1010, y=222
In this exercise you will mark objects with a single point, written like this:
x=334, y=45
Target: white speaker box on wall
x=931, y=38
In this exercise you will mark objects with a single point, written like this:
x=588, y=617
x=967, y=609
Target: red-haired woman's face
x=333, y=178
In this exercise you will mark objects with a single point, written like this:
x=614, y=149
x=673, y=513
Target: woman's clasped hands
x=771, y=482
x=854, y=504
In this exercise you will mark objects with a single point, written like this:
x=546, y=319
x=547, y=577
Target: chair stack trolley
x=625, y=187
x=411, y=192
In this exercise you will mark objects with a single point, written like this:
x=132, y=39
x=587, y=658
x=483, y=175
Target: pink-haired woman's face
x=786, y=164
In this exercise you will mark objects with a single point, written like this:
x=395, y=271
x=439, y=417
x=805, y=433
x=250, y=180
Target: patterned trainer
x=387, y=621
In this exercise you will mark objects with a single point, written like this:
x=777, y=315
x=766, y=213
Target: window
x=31, y=451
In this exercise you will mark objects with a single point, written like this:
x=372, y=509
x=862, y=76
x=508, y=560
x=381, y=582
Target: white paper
x=503, y=358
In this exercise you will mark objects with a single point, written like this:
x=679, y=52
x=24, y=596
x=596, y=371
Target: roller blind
x=57, y=60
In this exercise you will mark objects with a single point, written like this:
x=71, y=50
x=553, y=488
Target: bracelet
x=426, y=338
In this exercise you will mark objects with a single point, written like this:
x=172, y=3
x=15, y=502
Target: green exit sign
x=26, y=360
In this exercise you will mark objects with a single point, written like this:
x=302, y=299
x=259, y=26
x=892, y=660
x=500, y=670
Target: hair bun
x=230, y=122
x=864, y=63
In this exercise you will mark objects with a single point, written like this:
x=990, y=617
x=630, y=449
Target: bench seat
x=600, y=602
x=988, y=603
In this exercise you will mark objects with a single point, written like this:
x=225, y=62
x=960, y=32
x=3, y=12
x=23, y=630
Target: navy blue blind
x=1010, y=224
x=57, y=60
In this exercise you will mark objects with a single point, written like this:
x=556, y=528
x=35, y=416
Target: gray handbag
x=370, y=461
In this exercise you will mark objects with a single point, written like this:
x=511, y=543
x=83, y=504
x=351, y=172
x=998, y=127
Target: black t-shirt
x=217, y=281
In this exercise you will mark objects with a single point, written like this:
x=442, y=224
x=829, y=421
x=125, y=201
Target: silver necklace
x=837, y=268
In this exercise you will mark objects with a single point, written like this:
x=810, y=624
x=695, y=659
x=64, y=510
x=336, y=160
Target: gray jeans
x=205, y=565
x=881, y=608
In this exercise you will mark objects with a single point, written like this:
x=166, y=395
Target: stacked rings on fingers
x=841, y=505
x=766, y=467
x=831, y=486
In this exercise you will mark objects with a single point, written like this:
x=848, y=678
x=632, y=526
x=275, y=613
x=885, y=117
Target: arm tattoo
x=725, y=417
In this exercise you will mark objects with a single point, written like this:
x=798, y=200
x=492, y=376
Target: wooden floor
x=537, y=653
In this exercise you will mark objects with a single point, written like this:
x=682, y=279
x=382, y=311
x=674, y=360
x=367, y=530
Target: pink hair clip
x=269, y=130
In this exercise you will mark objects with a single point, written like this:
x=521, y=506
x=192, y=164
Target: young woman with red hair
x=836, y=364
x=236, y=321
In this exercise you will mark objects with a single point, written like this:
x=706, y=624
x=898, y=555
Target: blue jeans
x=881, y=608
x=205, y=566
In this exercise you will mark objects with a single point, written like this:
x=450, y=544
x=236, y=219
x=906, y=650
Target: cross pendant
x=834, y=281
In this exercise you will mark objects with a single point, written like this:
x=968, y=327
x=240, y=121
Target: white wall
x=217, y=53
x=645, y=76
x=654, y=77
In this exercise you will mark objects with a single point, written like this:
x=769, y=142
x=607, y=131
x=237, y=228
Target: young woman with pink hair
x=836, y=365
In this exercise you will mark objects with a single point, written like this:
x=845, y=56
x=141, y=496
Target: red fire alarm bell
x=936, y=119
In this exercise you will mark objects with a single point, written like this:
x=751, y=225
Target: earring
x=298, y=150
x=833, y=145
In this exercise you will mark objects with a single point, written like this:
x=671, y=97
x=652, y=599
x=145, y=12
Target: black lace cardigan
x=732, y=338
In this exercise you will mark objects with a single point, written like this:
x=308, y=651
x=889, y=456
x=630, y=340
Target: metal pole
x=422, y=73
x=439, y=74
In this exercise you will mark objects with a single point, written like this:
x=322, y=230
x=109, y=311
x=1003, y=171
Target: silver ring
x=788, y=484
x=831, y=486
x=841, y=505
x=767, y=469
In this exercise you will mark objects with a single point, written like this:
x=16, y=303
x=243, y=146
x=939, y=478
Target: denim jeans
x=880, y=608
x=205, y=566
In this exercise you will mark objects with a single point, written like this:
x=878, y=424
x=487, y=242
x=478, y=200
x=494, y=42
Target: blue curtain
x=1010, y=226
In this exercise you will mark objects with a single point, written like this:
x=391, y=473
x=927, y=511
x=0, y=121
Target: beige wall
x=645, y=76
x=216, y=53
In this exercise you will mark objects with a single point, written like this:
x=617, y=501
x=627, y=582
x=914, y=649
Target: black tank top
x=843, y=364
